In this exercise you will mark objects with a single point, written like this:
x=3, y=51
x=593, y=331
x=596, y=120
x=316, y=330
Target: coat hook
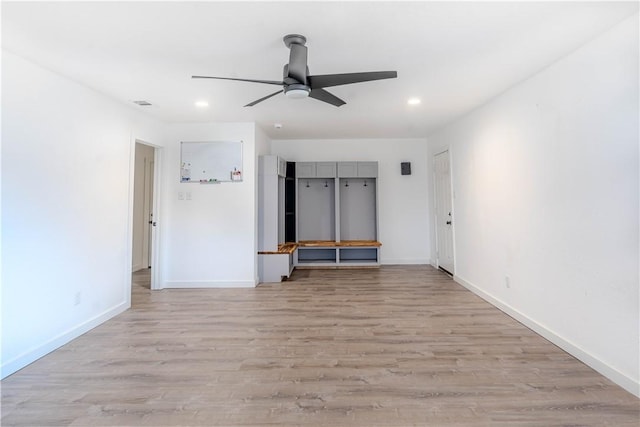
x=365, y=182
x=346, y=183
x=325, y=184
x=307, y=184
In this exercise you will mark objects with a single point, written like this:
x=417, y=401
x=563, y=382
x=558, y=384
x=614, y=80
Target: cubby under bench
x=346, y=253
x=274, y=265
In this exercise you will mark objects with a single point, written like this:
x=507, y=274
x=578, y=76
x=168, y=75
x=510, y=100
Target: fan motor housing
x=290, y=39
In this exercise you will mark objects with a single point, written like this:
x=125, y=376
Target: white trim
x=624, y=381
x=405, y=261
x=156, y=277
x=442, y=151
x=36, y=353
x=189, y=284
x=128, y=270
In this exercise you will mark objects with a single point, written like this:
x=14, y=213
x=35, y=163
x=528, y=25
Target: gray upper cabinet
x=367, y=169
x=325, y=169
x=316, y=169
x=306, y=169
x=357, y=169
x=347, y=169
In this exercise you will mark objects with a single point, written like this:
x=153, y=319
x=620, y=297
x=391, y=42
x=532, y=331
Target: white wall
x=263, y=143
x=66, y=193
x=210, y=240
x=546, y=192
x=403, y=215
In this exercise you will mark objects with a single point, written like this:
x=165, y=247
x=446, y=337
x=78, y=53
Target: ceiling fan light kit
x=297, y=83
x=297, y=91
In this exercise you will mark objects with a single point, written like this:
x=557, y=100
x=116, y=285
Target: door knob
x=448, y=222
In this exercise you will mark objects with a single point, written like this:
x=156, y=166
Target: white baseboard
x=400, y=261
x=624, y=381
x=36, y=353
x=187, y=284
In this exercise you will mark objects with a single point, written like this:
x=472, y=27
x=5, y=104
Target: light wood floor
x=397, y=346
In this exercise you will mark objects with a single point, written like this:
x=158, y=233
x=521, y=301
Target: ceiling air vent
x=143, y=103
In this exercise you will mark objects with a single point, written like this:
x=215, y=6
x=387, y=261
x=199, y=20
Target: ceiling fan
x=297, y=83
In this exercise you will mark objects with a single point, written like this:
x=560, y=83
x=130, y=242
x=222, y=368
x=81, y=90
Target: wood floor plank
x=395, y=346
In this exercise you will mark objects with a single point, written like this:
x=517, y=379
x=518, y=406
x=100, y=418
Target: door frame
x=443, y=150
x=155, y=246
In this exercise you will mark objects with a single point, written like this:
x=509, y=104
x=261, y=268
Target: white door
x=444, y=213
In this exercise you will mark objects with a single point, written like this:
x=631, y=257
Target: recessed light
x=277, y=125
x=202, y=104
x=414, y=101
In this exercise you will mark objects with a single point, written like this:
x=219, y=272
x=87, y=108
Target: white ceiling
x=455, y=56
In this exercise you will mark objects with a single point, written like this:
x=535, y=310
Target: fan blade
x=323, y=95
x=262, y=99
x=329, y=80
x=269, y=82
x=298, y=63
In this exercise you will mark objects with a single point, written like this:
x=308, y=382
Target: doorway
x=444, y=213
x=143, y=214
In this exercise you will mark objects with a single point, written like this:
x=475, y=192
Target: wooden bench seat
x=283, y=248
x=341, y=244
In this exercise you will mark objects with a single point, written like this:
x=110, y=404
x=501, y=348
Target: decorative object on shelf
x=185, y=172
x=236, y=175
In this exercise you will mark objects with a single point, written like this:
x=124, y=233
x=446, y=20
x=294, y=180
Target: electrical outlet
x=78, y=298
x=507, y=282
x=188, y=195
x=180, y=195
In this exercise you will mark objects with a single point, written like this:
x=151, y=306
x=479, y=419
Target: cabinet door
x=367, y=169
x=325, y=170
x=347, y=169
x=282, y=167
x=305, y=170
